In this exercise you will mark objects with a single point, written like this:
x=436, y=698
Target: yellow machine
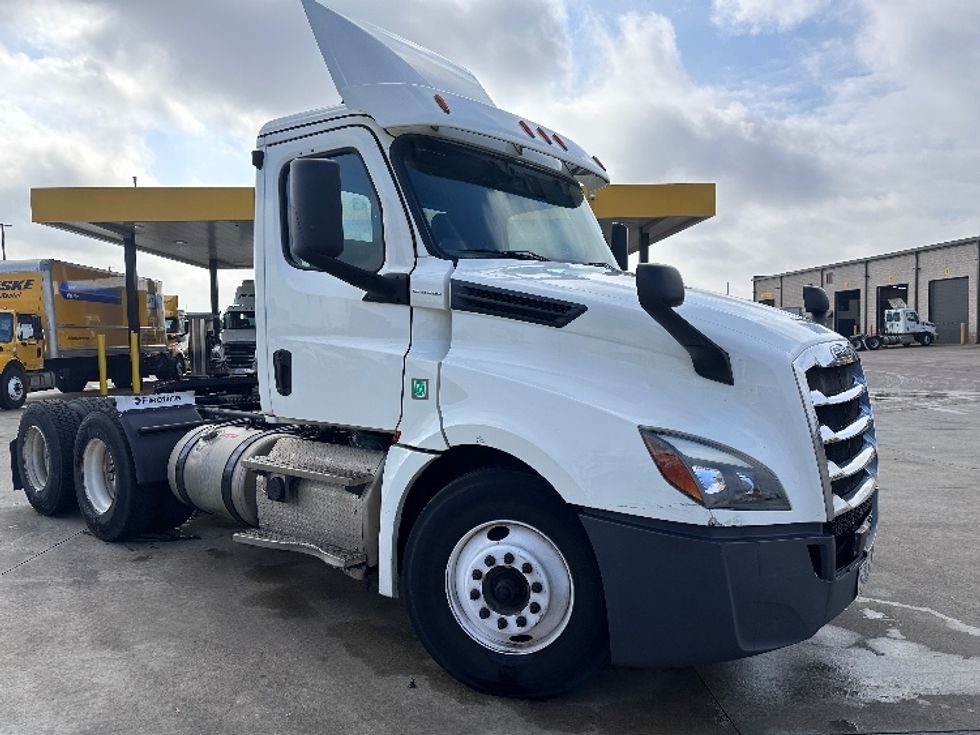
x=51, y=314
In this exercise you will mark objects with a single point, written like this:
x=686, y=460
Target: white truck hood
x=614, y=309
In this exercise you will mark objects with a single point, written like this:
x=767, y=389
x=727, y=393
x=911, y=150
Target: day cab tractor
x=903, y=326
x=467, y=401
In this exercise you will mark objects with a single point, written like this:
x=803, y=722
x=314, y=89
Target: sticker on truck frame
x=153, y=400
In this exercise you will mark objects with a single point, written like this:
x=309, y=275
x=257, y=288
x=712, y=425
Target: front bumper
x=679, y=595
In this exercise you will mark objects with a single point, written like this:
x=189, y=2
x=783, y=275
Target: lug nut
x=527, y=568
x=484, y=613
x=474, y=594
x=490, y=561
x=521, y=621
x=501, y=623
x=535, y=608
x=508, y=558
x=536, y=587
x=477, y=575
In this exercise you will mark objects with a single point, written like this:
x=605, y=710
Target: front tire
x=503, y=589
x=13, y=387
x=927, y=339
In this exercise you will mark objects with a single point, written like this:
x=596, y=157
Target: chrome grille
x=847, y=447
x=239, y=355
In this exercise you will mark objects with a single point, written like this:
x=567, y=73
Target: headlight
x=714, y=475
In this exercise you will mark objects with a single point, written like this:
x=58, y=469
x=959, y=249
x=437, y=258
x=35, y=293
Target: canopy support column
x=132, y=306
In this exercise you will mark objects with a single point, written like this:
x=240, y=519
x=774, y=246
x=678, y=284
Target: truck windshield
x=6, y=328
x=479, y=204
x=239, y=320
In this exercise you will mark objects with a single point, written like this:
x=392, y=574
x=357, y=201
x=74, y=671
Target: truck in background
x=178, y=338
x=235, y=352
x=468, y=402
x=57, y=310
x=903, y=326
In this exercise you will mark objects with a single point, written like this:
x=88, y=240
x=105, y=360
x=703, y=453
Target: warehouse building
x=938, y=281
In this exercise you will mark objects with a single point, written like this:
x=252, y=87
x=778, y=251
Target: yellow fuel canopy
x=210, y=227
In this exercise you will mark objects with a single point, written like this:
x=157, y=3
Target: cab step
x=334, y=556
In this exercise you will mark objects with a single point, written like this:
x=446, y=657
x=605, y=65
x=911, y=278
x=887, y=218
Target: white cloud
x=885, y=159
x=758, y=16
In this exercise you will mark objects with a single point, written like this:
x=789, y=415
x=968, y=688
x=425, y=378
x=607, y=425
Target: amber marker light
x=671, y=466
x=441, y=101
x=527, y=129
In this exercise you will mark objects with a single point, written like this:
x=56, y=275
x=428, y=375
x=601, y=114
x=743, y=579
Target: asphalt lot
x=205, y=636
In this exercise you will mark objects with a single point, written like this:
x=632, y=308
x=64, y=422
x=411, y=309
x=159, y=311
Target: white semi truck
x=235, y=352
x=464, y=399
x=903, y=326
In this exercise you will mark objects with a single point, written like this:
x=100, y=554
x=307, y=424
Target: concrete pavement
x=201, y=635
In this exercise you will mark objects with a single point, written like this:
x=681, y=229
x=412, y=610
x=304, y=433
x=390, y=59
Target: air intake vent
x=508, y=304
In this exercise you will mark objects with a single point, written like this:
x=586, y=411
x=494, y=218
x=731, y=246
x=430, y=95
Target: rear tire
x=872, y=343
x=121, y=376
x=503, y=589
x=13, y=387
x=45, y=445
x=68, y=383
x=113, y=504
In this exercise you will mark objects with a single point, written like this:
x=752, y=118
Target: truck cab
x=235, y=352
x=903, y=321
x=21, y=358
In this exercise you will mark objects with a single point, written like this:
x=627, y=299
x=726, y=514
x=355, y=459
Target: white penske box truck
x=466, y=401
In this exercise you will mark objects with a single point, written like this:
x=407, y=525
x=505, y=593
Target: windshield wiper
x=513, y=254
x=601, y=264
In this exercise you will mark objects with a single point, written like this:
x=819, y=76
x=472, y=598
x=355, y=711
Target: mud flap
x=15, y=477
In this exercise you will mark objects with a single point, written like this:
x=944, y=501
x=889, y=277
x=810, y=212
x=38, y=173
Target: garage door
x=949, y=306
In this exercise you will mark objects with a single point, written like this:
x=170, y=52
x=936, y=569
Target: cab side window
x=363, y=231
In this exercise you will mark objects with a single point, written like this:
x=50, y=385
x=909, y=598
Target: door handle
x=282, y=366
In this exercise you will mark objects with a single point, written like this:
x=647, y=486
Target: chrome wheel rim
x=509, y=587
x=15, y=388
x=36, y=457
x=99, y=475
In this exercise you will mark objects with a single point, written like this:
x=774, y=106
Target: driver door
x=327, y=354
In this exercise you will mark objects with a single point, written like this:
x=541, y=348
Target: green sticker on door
x=420, y=389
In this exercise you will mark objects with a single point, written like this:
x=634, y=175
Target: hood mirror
x=659, y=286
x=816, y=303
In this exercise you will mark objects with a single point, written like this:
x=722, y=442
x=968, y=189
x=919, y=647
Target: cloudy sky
x=833, y=128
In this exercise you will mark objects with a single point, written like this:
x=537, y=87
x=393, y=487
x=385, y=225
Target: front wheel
x=13, y=387
x=503, y=589
x=927, y=339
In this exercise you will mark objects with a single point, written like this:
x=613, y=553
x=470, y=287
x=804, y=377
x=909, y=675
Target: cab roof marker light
x=441, y=101
x=544, y=135
x=559, y=141
x=527, y=129
x=672, y=466
x=598, y=162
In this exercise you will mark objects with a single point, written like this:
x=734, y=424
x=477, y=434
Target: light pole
x=3, y=238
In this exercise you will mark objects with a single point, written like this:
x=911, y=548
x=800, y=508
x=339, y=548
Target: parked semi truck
x=235, y=352
x=56, y=311
x=467, y=402
x=903, y=326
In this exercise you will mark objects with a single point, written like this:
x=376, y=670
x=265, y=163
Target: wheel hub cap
x=509, y=587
